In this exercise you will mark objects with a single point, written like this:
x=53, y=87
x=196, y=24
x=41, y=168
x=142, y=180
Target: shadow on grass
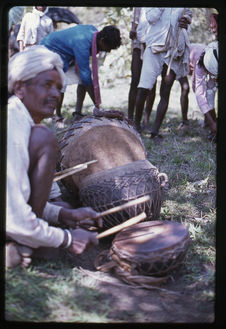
x=51, y=291
x=55, y=292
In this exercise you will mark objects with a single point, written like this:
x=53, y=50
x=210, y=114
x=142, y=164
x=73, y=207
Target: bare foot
x=16, y=254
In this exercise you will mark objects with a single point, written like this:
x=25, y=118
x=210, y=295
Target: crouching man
x=35, y=79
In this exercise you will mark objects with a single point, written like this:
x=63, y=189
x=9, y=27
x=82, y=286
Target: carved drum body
x=121, y=173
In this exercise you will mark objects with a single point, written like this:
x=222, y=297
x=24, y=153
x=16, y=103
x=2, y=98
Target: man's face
x=41, y=8
x=41, y=94
x=103, y=46
x=213, y=25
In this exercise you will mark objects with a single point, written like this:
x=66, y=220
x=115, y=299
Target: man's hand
x=132, y=34
x=81, y=240
x=112, y=114
x=212, y=124
x=82, y=217
x=183, y=22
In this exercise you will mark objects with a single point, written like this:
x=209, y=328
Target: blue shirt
x=72, y=44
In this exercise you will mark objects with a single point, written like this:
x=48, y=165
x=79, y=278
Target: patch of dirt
x=173, y=302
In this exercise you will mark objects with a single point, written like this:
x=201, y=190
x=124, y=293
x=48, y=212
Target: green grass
x=55, y=291
x=51, y=292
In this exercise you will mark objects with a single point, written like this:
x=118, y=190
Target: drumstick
x=124, y=206
x=117, y=228
x=71, y=171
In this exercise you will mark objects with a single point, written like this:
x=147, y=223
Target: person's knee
x=185, y=89
x=141, y=95
x=134, y=83
x=43, y=136
x=42, y=141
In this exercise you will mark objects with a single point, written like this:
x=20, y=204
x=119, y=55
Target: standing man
x=34, y=26
x=35, y=79
x=161, y=42
x=15, y=15
x=137, y=35
x=75, y=46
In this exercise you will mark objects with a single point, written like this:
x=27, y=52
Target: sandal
x=183, y=125
x=212, y=137
x=58, y=119
x=77, y=116
x=156, y=136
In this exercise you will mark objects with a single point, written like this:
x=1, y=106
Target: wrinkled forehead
x=47, y=75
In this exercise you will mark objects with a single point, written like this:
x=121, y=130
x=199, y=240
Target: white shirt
x=22, y=224
x=143, y=26
x=161, y=19
x=34, y=27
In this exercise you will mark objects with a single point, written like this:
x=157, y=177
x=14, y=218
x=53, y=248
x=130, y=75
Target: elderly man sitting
x=35, y=79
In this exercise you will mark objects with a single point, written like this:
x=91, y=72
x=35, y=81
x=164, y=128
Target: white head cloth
x=27, y=64
x=210, y=61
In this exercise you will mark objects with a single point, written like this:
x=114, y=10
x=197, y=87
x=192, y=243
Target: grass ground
x=59, y=291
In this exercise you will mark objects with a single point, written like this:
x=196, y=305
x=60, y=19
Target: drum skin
x=152, y=248
x=111, y=142
x=113, y=187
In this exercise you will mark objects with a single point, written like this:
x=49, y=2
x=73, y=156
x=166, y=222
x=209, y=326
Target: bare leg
x=58, y=109
x=42, y=152
x=211, y=121
x=140, y=100
x=148, y=108
x=184, y=98
x=166, y=85
x=135, y=70
x=81, y=93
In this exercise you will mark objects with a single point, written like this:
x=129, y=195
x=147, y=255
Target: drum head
x=111, y=142
x=149, y=238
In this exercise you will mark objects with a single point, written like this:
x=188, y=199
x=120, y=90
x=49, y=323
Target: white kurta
x=22, y=224
x=34, y=27
x=160, y=42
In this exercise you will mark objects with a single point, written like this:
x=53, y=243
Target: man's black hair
x=111, y=36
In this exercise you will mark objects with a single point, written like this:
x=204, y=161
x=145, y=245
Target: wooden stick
x=74, y=167
x=175, y=46
x=71, y=171
x=124, y=206
x=117, y=228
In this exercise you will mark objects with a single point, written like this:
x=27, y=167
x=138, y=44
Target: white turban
x=27, y=64
x=210, y=59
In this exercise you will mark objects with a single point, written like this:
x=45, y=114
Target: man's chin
x=49, y=112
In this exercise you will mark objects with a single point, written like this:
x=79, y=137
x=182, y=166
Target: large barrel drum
x=122, y=173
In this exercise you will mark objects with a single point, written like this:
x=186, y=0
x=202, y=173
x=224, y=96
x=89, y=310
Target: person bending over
x=75, y=45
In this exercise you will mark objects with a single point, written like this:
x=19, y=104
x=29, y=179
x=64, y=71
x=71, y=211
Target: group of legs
x=141, y=100
x=140, y=97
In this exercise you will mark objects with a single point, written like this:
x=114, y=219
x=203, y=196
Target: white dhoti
x=151, y=68
x=71, y=78
x=153, y=65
